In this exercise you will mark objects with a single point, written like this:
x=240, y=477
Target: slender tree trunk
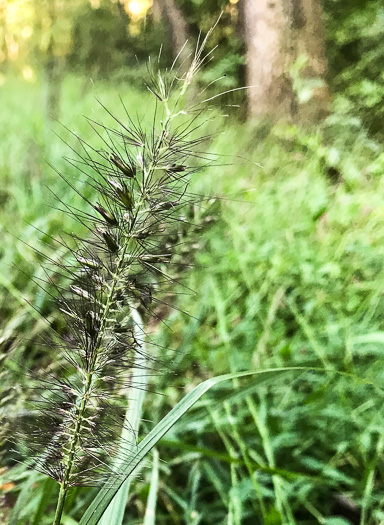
x=178, y=26
x=122, y=12
x=156, y=11
x=277, y=32
x=53, y=79
x=268, y=58
x=308, y=36
x=53, y=70
x=240, y=24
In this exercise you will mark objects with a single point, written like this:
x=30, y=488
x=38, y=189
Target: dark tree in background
x=277, y=34
x=171, y=12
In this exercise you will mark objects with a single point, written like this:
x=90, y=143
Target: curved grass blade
x=95, y=511
x=24, y=496
x=150, y=511
x=114, y=514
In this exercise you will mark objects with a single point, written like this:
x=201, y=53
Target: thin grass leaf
x=45, y=498
x=114, y=514
x=24, y=497
x=235, y=503
x=226, y=458
x=97, y=508
x=106, y=494
x=150, y=511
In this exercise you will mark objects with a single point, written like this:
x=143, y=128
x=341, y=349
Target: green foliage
x=103, y=42
x=95, y=511
x=355, y=33
x=291, y=275
x=296, y=278
x=100, y=40
x=230, y=53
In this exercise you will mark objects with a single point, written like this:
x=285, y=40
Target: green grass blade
x=45, y=498
x=226, y=458
x=150, y=512
x=114, y=513
x=24, y=497
x=94, y=512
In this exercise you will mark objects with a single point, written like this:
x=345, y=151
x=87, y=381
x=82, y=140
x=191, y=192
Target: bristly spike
x=135, y=238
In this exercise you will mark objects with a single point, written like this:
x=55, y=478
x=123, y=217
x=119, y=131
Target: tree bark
x=308, y=37
x=53, y=80
x=53, y=71
x=178, y=26
x=156, y=11
x=268, y=58
x=277, y=32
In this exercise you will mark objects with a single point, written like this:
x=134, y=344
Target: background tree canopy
x=115, y=37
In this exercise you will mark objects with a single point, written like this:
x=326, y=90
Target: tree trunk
x=53, y=79
x=178, y=27
x=277, y=32
x=156, y=11
x=308, y=36
x=53, y=69
x=268, y=58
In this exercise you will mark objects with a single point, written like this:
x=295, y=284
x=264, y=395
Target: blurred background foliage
x=355, y=34
x=291, y=273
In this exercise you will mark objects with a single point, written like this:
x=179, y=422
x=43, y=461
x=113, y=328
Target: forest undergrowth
x=291, y=275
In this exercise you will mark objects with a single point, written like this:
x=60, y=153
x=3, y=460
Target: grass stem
x=60, y=504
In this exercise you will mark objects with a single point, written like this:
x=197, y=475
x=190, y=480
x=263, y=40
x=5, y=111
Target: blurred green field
x=291, y=275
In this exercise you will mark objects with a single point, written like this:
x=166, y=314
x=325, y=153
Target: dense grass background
x=291, y=274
